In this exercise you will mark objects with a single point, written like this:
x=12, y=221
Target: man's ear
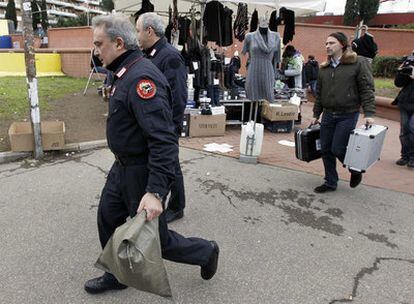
x=120, y=43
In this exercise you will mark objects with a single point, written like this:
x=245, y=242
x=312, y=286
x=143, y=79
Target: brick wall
x=76, y=63
x=70, y=37
x=310, y=39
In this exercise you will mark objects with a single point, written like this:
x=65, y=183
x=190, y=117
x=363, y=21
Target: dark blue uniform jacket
x=171, y=64
x=139, y=124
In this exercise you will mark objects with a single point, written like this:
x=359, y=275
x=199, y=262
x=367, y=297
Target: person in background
x=345, y=83
x=405, y=100
x=311, y=73
x=292, y=65
x=97, y=64
x=292, y=68
x=150, y=33
x=365, y=45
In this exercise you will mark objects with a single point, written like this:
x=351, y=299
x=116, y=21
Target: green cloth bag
x=133, y=256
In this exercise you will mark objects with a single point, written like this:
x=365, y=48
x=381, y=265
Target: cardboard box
x=207, y=125
x=281, y=126
x=52, y=132
x=279, y=111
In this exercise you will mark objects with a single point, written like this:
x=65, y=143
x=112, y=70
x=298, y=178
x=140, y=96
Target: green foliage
x=368, y=9
x=385, y=66
x=365, y=9
x=351, y=12
x=107, y=5
x=81, y=20
x=11, y=12
x=408, y=26
x=385, y=87
x=13, y=93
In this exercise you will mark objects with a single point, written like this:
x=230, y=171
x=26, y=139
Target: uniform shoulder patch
x=146, y=89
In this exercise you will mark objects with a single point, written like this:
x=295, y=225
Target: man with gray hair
x=141, y=134
x=365, y=45
x=150, y=32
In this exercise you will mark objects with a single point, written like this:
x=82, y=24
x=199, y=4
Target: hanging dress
x=263, y=58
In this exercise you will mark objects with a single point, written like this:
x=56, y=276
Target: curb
x=10, y=156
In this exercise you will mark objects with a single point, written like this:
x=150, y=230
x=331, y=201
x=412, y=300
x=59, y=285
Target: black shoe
x=103, y=283
x=323, y=188
x=209, y=270
x=402, y=162
x=171, y=215
x=410, y=164
x=356, y=178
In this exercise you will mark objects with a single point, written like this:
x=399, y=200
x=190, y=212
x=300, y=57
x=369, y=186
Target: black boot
x=323, y=188
x=402, y=162
x=356, y=178
x=209, y=270
x=103, y=283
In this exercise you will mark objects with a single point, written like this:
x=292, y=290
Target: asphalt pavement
x=280, y=243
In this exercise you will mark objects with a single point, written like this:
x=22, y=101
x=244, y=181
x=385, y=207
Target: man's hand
x=150, y=204
x=315, y=121
x=369, y=121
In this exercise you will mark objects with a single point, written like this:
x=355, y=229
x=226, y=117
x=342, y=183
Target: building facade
x=60, y=8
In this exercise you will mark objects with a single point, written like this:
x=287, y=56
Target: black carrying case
x=307, y=143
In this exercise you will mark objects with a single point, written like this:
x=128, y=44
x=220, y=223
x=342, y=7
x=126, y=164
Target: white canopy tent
x=300, y=7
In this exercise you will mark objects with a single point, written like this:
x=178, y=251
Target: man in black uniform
x=140, y=132
x=151, y=30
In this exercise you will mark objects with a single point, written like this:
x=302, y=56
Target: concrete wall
x=72, y=62
x=13, y=64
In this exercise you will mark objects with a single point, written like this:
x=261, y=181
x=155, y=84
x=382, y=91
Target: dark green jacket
x=346, y=88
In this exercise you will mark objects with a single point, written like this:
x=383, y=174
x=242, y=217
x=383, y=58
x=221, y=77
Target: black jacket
x=170, y=62
x=405, y=99
x=311, y=70
x=365, y=46
x=346, y=88
x=213, y=21
x=139, y=122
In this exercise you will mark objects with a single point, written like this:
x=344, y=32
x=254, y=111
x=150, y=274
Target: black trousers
x=177, y=194
x=123, y=190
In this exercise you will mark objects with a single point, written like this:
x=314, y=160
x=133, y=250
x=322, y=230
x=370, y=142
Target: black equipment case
x=307, y=143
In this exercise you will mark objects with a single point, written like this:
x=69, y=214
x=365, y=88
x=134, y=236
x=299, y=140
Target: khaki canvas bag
x=133, y=256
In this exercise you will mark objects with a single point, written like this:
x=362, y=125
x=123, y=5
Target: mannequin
x=263, y=47
x=263, y=27
x=263, y=32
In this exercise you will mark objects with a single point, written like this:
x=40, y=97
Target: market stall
x=215, y=38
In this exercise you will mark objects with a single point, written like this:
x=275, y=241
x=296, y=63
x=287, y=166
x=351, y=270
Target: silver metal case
x=364, y=147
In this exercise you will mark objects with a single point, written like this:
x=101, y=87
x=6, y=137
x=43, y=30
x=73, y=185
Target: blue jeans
x=313, y=85
x=335, y=131
x=213, y=92
x=407, y=135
